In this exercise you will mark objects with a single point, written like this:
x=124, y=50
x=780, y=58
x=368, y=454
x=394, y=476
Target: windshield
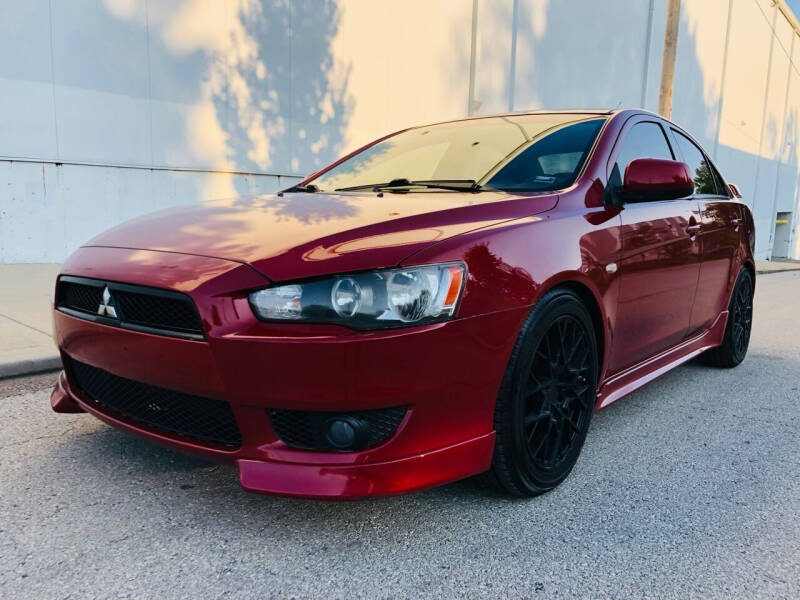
x=519, y=152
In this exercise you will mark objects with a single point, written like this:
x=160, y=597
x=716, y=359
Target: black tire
x=545, y=392
x=740, y=324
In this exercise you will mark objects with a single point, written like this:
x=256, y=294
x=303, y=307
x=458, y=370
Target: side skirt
x=633, y=378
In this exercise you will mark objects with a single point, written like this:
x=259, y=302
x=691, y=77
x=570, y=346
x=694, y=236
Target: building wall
x=113, y=108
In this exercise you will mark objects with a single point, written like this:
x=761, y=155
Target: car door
x=659, y=262
x=719, y=234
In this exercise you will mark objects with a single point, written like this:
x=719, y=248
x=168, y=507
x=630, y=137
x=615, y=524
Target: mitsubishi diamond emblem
x=106, y=307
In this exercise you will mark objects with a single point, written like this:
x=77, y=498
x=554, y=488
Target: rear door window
x=700, y=170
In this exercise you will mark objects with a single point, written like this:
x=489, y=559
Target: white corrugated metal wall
x=109, y=109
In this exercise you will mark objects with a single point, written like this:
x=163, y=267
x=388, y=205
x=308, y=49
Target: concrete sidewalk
x=777, y=265
x=26, y=344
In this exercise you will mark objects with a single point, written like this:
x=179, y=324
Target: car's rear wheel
x=740, y=323
x=547, y=397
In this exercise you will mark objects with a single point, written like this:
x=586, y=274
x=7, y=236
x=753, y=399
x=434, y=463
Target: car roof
x=558, y=111
x=549, y=111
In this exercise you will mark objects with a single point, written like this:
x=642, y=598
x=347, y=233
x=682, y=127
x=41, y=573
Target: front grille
x=189, y=416
x=137, y=307
x=158, y=312
x=85, y=298
x=306, y=429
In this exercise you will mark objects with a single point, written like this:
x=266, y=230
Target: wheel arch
x=590, y=299
x=750, y=267
x=748, y=264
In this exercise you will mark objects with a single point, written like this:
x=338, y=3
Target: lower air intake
x=189, y=416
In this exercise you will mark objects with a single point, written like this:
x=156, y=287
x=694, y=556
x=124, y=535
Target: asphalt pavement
x=686, y=489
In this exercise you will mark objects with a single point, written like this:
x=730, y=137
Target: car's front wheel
x=547, y=397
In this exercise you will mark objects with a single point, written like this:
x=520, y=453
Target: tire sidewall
x=744, y=278
x=531, y=477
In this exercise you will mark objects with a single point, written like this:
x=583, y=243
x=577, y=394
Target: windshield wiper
x=458, y=185
x=310, y=189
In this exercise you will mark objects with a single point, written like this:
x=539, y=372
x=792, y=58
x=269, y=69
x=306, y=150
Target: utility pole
x=668, y=60
x=472, y=52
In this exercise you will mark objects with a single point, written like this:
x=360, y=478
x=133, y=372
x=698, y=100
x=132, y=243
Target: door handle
x=736, y=223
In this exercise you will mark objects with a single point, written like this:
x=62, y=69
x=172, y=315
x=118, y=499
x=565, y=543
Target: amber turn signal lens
x=453, y=291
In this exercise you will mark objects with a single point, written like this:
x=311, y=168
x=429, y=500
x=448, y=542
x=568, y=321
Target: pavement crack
x=18, y=322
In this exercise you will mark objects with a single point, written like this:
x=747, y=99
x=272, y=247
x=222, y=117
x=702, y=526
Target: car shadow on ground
x=683, y=474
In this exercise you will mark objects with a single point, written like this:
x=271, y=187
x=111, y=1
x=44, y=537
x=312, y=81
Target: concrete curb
x=30, y=366
x=771, y=271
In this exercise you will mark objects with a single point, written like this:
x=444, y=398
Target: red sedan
x=449, y=300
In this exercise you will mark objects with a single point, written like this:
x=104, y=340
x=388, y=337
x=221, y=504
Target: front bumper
x=448, y=374
x=321, y=479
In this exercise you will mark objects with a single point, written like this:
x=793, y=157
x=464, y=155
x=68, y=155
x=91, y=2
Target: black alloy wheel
x=741, y=316
x=736, y=340
x=558, y=397
x=547, y=397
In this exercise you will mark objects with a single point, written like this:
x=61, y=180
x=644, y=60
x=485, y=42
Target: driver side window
x=643, y=140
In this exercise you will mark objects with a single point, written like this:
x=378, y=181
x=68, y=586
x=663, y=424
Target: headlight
x=390, y=298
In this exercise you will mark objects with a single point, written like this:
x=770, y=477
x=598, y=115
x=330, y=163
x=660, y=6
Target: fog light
x=345, y=432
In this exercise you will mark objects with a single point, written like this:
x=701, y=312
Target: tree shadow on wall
x=302, y=97
x=237, y=85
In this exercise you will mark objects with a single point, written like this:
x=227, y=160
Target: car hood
x=304, y=235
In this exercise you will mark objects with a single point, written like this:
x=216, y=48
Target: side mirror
x=656, y=179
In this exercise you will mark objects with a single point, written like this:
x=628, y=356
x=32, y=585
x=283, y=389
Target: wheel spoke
x=533, y=431
x=556, y=444
x=583, y=360
x=536, y=388
x=575, y=346
x=532, y=419
x=557, y=394
x=562, y=334
x=541, y=353
x=549, y=346
x=542, y=441
x=556, y=357
x=584, y=398
x=568, y=420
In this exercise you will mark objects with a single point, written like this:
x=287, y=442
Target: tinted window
x=704, y=180
x=644, y=140
x=471, y=149
x=551, y=162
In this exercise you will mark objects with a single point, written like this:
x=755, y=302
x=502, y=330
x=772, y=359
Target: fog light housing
x=308, y=429
x=345, y=432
